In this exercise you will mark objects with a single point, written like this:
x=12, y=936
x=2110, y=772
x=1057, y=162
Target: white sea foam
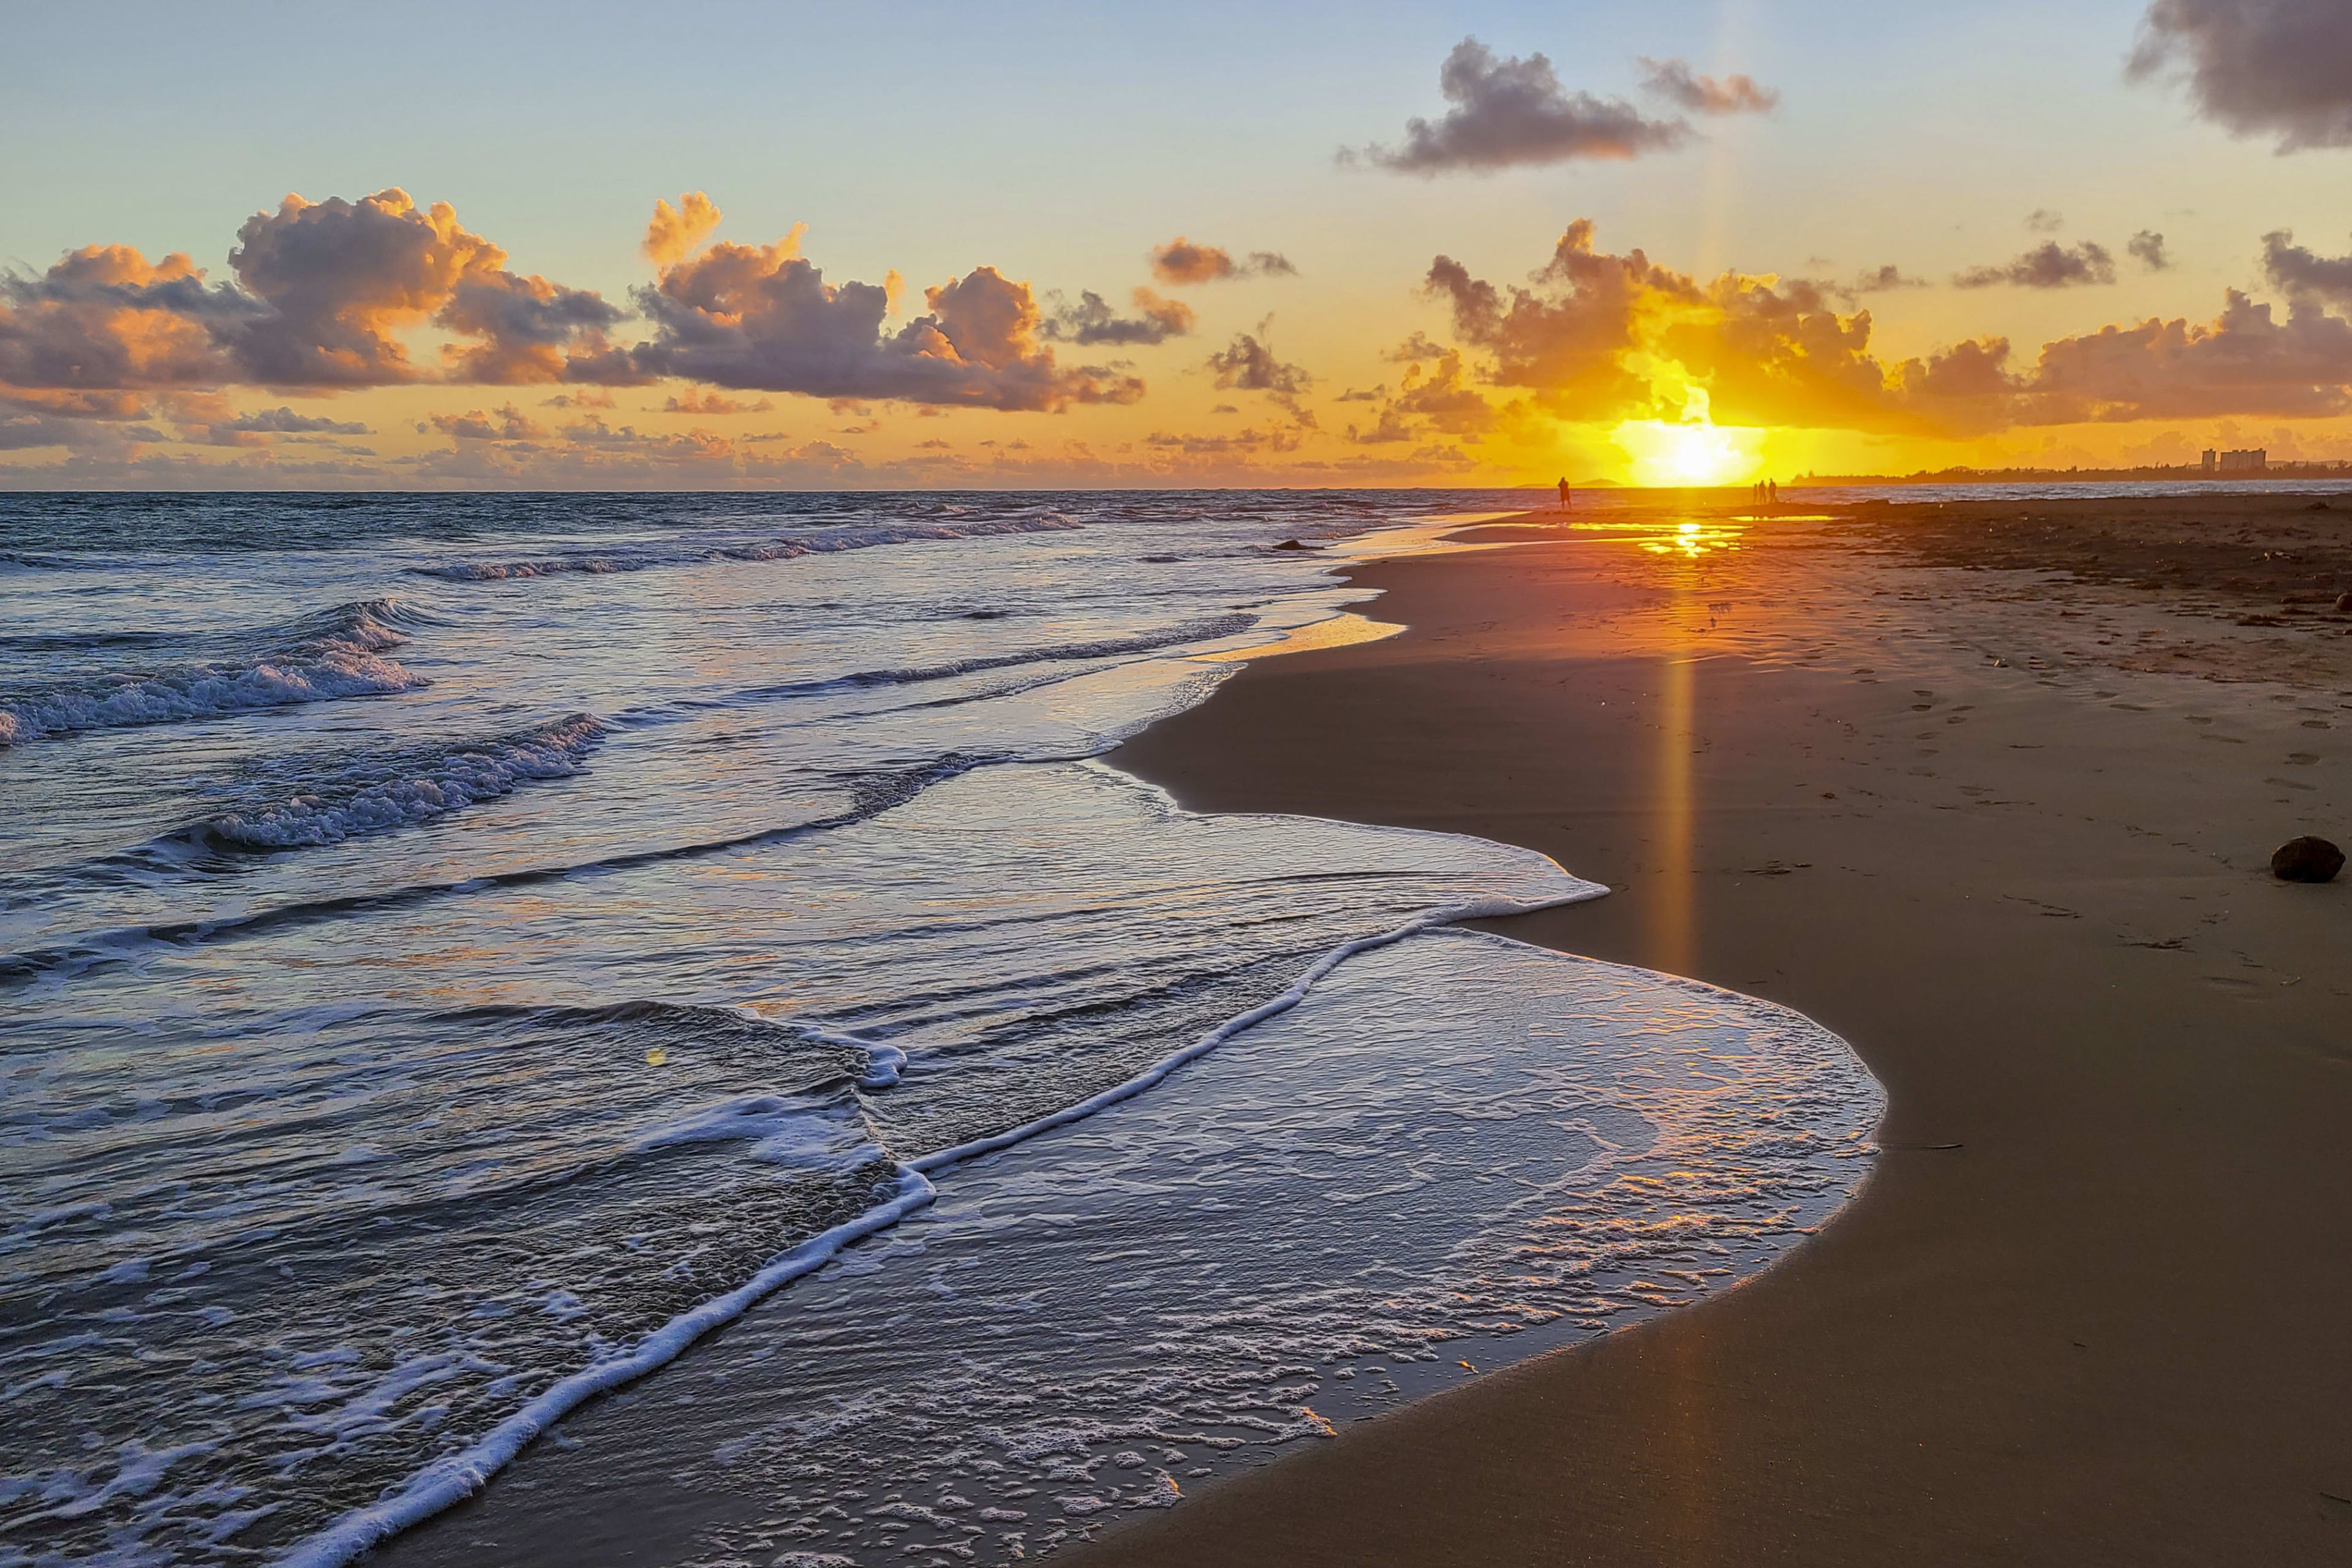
x=420, y=789
x=340, y=655
x=452, y=1479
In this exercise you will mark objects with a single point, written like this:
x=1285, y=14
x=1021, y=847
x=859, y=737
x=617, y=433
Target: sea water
x=456, y=949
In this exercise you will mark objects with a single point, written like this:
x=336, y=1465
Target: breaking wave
x=338, y=653
x=397, y=792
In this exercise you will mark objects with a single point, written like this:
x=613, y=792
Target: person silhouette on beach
x=1563, y=495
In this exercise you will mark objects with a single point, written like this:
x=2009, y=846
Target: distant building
x=2208, y=462
x=2253, y=461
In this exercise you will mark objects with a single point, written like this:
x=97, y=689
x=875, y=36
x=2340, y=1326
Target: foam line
x=1476, y=908
x=449, y=1482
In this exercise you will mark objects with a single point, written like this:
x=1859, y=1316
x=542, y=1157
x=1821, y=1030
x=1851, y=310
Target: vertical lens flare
x=1670, y=937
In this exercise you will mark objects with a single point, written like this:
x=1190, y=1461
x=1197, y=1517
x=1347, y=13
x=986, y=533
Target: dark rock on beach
x=1293, y=544
x=2306, y=860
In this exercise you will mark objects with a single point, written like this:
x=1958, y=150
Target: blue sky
x=1060, y=143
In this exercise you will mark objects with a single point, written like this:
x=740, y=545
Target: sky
x=1059, y=245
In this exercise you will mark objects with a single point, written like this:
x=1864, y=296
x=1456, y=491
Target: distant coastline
x=2173, y=473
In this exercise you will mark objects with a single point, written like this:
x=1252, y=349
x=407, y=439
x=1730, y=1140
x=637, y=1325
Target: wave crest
x=410, y=790
x=338, y=653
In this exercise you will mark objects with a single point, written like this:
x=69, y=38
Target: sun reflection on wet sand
x=1669, y=928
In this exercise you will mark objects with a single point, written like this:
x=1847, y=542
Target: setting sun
x=1689, y=452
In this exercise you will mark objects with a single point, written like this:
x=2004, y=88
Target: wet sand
x=2006, y=829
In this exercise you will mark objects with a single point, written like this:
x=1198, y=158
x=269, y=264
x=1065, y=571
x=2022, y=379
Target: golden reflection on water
x=1692, y=539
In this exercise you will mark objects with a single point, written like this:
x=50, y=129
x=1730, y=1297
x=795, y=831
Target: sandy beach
x=1990, y=790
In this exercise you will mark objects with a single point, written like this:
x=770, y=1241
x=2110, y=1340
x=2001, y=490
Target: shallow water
x=1458, y=1152
x=455, y=947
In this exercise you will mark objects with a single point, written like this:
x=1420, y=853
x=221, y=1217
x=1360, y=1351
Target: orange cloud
x=699, y=402
x=674, y=232
x=1180, y=262
x=507, y=424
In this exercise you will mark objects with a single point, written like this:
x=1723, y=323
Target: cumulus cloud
x=1602, y=337
x=1567, y=333
x=674, y=232
x=326, y=292
x=2047, y=266
x=105, y=318
x=1596, y=337
x=2294, y=270
x=2245, y=362
x=323, y=291
x=2148, y=247
x=340, y=277
x=1180, y=262
x=1515, y=111
x=761, y=318
x=2041, y=220
x=1092, y=322
x=2280, y=68
x=1675, y=81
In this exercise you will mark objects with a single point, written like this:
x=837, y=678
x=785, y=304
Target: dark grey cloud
x=760, y=318
x=2049, y=265
x=2297, y=272
x=2148, y=247
x=507, y=424
x=2281, y=68
x=1675, y=81
x=1515, y=111
x=1092, y=322
x=1181, y=261
x=1431, y=398
x=2041, y=220
x=1883, y=280
x=1249, y=366
x=523, y=326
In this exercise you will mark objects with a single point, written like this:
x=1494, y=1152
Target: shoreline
x=2111, y=1048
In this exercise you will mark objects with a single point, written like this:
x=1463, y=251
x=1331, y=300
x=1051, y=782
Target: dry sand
x=2004, y=828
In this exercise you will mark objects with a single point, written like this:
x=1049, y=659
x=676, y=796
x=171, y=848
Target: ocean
x=457, y=950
